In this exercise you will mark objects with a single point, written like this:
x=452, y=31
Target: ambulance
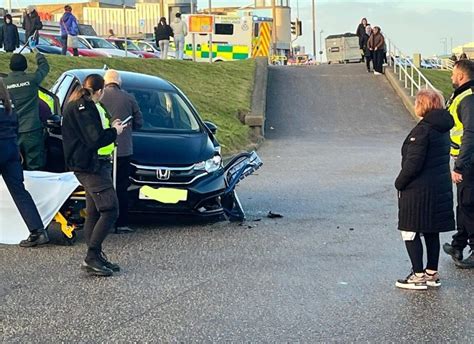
x=234, y=38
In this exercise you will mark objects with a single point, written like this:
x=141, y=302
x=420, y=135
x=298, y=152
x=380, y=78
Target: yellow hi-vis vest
x=106, y=150
x=47, y=99
x=458, y=130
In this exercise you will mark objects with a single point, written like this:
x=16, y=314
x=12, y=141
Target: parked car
x=43, y=46
x=131, y=47
x=174, y=151
x=83, y=50
x=104, y=46
x=151, y=47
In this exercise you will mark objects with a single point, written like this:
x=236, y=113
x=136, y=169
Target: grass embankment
x=440, y=79
x=219, y=91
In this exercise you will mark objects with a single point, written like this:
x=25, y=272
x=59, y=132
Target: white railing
x=447, y=64
x=407, y=72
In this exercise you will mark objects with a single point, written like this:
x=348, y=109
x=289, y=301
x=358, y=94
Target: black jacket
x=83, y=135
x=425, y=201
x=9, y=38
x=464, y=161
x=365, y=46
x=8, y=124
x=31, y=23
x=360, y=32
x=163, y=32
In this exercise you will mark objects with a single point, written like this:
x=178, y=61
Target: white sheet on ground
x=49, y=192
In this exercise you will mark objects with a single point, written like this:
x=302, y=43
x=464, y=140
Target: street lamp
x=314, y=27
x=320, y=46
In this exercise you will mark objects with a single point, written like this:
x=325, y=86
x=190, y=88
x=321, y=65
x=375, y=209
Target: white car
x=102, y=45
x=150, y=47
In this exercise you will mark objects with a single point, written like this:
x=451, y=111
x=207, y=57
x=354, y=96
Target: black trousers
x=367, y=61
x=75, y=52
x=378, y=60
x=101, y=206
x=123, y=182
x=465, y=213
x=12, y=173
x=32, y=147
x=415, y=251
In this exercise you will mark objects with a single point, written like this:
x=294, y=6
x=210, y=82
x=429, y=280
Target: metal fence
x=407, y=72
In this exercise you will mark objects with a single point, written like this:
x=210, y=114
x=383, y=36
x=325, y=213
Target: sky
x=421, y=26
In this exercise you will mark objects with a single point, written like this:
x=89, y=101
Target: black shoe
x=467, y=263
x=123, y=230
x=454, y=252
x=108, y=265
x=96, y=267
x=35, y=239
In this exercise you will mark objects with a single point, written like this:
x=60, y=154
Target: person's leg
x=75, y=52
x=367, y=62
x=378, y=61
x=161, y=43
x=91, y=218
x=432, y=250
x=166, y=46
x=64, y=45
x=460, y=238
x=415, y=252
x=33, y=147
x=180, y=47
x=106, y=203
x=123, y=182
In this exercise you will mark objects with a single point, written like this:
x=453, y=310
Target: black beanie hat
x=18, y=63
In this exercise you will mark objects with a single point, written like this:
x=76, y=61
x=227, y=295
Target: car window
x=100, y=43
x=164, y=111
x=62, y=90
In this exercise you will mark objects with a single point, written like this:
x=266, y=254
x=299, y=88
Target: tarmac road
x=325, y=272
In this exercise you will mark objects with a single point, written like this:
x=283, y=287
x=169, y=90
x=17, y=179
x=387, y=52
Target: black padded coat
x=425, y=202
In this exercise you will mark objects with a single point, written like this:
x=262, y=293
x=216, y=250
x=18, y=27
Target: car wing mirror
x=211, y=126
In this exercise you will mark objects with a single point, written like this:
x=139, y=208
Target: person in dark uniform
x=425, y=191
x=12, y=172
x=23, y=88
x=9, y=38
x=32, y=24
x=461, y=107
x=83, y=135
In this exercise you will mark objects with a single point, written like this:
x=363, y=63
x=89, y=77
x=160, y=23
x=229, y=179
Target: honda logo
x=163, y=174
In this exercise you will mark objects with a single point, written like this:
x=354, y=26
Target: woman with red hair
x=425, y=191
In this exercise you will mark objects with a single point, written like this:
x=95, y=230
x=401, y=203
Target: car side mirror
x=211, y=126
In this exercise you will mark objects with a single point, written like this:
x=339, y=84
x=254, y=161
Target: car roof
x=130, y=78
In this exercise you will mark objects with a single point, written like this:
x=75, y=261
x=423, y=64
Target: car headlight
x=210, y=165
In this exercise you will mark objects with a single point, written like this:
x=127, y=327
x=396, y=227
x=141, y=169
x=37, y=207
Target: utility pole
x=210, y=35
x=320, y=47
x=193, y=35
x=162, y=8
x=9, y=6
x=274, y=28
x=125, y=27
x=314, y=27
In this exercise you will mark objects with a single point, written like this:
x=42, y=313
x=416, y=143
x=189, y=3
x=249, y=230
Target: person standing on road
x=9, y=38
x=360, y=32
x=461, y=107
x=12, y=172
x=425, y=193
x=163, y=32
x=23, y=88
x=180, y=31
x=121, y=105
x=83, y=136
x=376, y=44
x=365, y=47
x=69, y=31
x=31, y=24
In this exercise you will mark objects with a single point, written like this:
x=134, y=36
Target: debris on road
x=273, y=215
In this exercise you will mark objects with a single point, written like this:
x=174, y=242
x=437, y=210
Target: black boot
x=94, y=265
x=467, y=263
x=108, y=265
x=36, y=238
x=454, y=252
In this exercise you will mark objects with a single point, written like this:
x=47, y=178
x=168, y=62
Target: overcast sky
x=414, y=25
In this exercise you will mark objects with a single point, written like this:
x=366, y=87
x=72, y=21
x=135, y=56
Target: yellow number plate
x=163, y=195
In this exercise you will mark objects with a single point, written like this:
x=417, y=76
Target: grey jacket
x=120, y=105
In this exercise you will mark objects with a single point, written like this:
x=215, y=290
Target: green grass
x=219, y=91
x=440, y=79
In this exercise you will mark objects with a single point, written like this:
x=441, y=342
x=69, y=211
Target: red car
x=55, y=39
x=120, y=44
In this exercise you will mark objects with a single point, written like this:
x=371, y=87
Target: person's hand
x=376, y=48
x=117, y=124
x=456, y=177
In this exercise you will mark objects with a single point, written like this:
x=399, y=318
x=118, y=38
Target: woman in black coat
x=360, y=32
x=9, y=38
x=425, y=190
x=163, y=32
x=365, y=47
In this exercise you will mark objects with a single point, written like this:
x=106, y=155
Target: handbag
x=72, y=41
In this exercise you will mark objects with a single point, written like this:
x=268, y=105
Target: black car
x=177, y=165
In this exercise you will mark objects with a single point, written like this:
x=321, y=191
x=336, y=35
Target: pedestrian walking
x=376, y=43
x=367, y=52
x=9, y=38
x=31, y=24
x=12, y=172
x=83, y=135
x=163, y=32
x=69, y=31
x=120, y=105
x=461, y=107
x=180, y=31
x=425, y=193
x=112, y=33
x=23, y=88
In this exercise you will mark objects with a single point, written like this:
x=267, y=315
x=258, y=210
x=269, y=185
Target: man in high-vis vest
x=461, y=107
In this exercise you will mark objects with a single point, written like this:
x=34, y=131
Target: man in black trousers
x=121, y=105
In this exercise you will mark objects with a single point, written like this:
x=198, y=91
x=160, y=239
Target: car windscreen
x=164, y=111
x=42, y=41
x=100, y=43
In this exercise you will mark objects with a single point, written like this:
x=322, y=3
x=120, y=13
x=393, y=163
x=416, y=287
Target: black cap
x=18, y=63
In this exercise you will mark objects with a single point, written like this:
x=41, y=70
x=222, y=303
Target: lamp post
x=314, y=26
x=125, y=27
x=320, y=46
x=210, y=35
